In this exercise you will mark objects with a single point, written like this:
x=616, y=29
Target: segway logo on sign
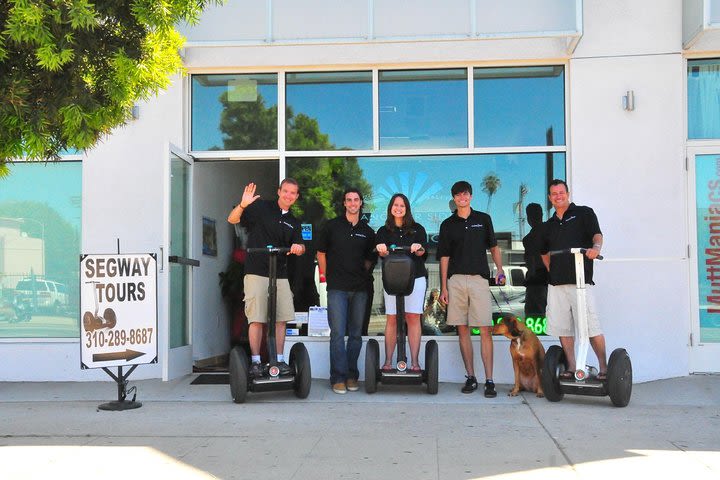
x=118, y=298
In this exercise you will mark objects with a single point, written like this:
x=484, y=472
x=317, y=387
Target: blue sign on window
x=307, y=231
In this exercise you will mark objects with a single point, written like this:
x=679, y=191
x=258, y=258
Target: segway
x=618, y=384
x=398, y=274
x=93, y=321
x=241, y=381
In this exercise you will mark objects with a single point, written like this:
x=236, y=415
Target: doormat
x=212, y=379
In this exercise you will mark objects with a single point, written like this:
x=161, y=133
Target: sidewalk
x=183, y=431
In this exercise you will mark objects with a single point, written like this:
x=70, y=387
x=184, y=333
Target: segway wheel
x=110, y=318
x=372, y=365
x=89, y=321
x=619, y=377
x=431, y=367
x=239, y=370
x=300, y=362
x=554, y=364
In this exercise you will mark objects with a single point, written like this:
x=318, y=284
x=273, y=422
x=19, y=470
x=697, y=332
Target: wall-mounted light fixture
x=628, y=101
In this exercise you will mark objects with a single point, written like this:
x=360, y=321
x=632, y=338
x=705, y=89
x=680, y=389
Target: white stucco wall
x=630, y=167
x=123, y=197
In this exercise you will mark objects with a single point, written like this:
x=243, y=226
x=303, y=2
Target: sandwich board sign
x=118, y=301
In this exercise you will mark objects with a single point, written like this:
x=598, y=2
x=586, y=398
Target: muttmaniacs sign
x=707, y=170
x=118, y=301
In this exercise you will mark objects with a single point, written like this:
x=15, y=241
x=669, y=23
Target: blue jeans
x=345, y=316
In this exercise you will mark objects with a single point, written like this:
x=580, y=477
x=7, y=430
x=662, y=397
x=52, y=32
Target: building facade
x=620, y=98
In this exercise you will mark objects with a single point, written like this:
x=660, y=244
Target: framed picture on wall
x=209, y=237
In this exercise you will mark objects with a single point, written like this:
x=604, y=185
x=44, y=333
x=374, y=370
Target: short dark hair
x=557, y=181
x=353, y=190
x=291, y=181
x=460, y=187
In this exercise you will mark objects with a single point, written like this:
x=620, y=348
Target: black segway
x=618, y=384
x=398, y=274
x=240, y=379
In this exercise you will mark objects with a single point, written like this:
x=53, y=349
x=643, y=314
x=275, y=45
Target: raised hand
x=248, y=195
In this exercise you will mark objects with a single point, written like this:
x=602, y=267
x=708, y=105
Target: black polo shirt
x=346, y=247
x=267, y=225
x=576, y=230
x=404, y=237
x=466, y=241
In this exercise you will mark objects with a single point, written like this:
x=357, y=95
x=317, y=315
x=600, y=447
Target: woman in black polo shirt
x=401, y=229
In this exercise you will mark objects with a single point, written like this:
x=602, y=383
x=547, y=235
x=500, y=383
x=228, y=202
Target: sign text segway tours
x=118, y=298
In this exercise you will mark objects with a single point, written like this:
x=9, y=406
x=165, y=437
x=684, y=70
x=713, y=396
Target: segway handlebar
x=573, y=251
x=268, y=249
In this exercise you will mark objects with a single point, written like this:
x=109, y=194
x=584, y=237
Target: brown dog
x=527, y=354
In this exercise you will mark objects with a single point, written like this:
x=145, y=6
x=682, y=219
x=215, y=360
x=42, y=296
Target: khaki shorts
x=562, y=311
x=469, y=301
x=256, y=299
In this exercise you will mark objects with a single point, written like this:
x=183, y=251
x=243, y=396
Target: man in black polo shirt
x=344, y=255
x=465, y=238
x=268, y=223
x=571, y=226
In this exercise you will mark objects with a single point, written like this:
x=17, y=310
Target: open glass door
x=704, y=202
x=179, y=358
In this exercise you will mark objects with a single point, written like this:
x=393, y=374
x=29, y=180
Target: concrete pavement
x=670, y=428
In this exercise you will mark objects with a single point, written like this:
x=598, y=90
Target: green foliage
x=71, y=70
x=253, y=126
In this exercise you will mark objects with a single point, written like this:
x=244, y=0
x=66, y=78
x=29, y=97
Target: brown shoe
x=339, y=388
x=352, y=385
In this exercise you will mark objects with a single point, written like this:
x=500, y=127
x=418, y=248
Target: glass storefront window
x=234, y=112
x=703, y=77
x=40, y=219
x=707, y=181
x=503, y=185
x=519, y=106
x=423, y=109
x=329, y=111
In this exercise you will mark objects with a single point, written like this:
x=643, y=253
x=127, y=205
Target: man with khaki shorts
x=268, y=223
x=572, y=226
x=465, y=238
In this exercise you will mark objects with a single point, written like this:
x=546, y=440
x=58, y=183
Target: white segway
x=618, y=384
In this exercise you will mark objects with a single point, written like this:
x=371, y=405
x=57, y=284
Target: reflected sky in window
x=519, y=106
x=340, y=103
x=703, y=86
x=234, y=112
x=426, y=180
x=423, y=109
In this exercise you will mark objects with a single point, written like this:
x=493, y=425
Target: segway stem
x=272, y=306
x=273, y=253
x=401, y=329
x=582, y=324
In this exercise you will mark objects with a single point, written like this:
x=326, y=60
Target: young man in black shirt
x=571, y=226
x=344, y=255
x=268, y=223
x=465, y=238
